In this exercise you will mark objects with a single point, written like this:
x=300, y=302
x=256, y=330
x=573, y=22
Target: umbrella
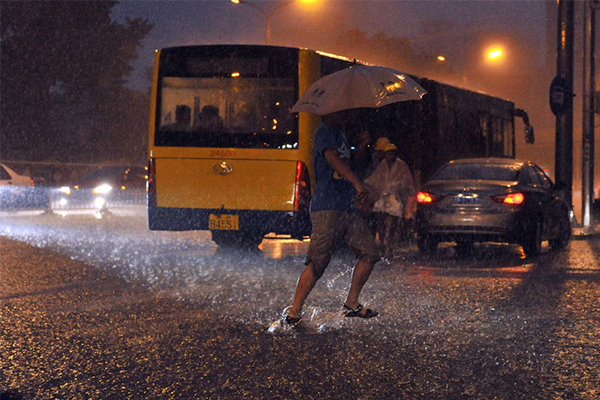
x=356, y=87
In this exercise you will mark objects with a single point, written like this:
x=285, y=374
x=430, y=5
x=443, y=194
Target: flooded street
x=106, y=309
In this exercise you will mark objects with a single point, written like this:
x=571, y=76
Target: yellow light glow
x=495, y=54
x=441, y=58
x=235, y=74
x=235, y=1
x=390, y=87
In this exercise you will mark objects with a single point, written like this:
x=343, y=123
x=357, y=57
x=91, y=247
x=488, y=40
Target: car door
x=549, y=203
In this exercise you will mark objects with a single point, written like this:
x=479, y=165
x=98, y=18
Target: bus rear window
x=226, y=111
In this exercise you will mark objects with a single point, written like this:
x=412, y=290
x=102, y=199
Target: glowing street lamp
x=268, y=15
x=495, y=54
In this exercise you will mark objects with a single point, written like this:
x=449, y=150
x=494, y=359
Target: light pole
x=268, y=15
x=589, y=88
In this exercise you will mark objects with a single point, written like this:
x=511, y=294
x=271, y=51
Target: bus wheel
x=236, y=239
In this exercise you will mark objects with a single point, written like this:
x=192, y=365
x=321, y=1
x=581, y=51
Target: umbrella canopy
x=356, y=87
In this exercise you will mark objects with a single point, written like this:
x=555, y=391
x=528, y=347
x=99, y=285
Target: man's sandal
x=292, y=321
x=358, y=312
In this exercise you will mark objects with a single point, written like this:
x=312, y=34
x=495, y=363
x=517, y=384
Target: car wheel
x=564, y=235
x=532, y=244
x=241, y=240
x=427, y=244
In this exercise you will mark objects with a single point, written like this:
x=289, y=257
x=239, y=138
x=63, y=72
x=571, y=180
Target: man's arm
x=341, y=167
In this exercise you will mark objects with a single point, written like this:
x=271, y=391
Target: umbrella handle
x=363, y=125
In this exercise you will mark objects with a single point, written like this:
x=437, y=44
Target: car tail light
x=512, y=198
x=302, y=188
x=424, y=197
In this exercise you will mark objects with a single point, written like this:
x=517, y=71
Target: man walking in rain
x=334, y=214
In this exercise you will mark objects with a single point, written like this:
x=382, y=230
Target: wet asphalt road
x=104, y=309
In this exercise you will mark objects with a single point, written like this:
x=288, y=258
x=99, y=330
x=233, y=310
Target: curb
x=580, y=233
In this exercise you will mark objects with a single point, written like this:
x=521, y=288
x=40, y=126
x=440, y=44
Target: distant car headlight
x=66, y=190
x=99, y=202
x=102, y=189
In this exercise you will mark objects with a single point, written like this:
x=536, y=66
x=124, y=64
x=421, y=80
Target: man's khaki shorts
x=328, y=226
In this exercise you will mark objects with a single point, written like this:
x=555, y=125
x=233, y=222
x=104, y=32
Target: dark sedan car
x=492, y=200
x=98, y=187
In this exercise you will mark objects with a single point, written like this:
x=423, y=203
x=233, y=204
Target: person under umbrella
x=340, y=197
x=334, y=215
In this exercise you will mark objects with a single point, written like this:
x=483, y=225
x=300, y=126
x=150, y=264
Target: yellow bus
x=226, y=154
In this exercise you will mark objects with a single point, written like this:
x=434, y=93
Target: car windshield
x=484, y=172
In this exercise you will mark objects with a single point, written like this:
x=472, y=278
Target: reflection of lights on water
x=280, y=246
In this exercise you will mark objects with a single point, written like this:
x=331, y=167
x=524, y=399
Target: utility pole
x=561, y=98
x=589, y=90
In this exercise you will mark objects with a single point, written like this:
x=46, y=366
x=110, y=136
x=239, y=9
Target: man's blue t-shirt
x=332, y=192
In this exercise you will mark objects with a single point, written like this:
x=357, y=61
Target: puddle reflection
x=277, y=248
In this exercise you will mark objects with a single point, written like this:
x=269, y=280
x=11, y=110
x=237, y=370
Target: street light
x=268, y=15
x=495, y=54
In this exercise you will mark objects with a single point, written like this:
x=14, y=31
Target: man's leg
x=361, y=241
x=306, y=282
x=325, y=230
x=360, y=275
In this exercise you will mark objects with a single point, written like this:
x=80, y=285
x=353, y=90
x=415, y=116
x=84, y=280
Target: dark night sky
x=301, y=25
x=220, y=21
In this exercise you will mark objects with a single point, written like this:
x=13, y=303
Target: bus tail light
x=424, y=197
x=302, y=188
x=151, y=183
x=512, y=198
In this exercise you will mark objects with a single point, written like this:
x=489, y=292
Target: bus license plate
x=223, y=222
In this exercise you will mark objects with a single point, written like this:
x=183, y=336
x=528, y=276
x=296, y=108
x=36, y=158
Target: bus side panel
x=153, y=105
x=205, y=184
x=309, y=71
